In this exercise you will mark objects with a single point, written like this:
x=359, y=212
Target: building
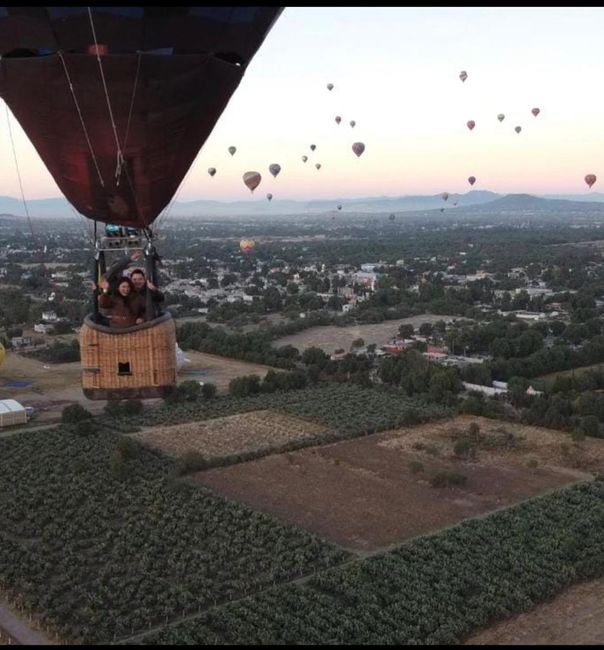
x=11, y=413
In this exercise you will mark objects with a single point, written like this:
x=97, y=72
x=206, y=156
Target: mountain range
x=490, y=201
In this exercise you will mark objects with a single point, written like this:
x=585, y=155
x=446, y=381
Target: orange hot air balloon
x=471, y=180
x=211, y=171
x=470, y=124
x=252, y=180
x=247, y=245
x=590, y=179
x=358, y=148
x=517, y=129
x=535, y=111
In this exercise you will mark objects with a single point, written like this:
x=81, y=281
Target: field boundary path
x=15, y=632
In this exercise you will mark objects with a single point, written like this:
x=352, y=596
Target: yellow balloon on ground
x=2, y=353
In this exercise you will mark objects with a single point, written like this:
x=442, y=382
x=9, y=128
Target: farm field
x=330, y=337
x=575, y=617
x=366, y=494
x=551, y=377
x=234, y=434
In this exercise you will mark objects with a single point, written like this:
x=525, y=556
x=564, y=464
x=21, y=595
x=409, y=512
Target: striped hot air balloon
x=247, y=246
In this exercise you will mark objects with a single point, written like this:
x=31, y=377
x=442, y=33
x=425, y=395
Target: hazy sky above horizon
x=395, y=72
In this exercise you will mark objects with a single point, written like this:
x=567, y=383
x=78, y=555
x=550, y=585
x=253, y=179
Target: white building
x=11, y=413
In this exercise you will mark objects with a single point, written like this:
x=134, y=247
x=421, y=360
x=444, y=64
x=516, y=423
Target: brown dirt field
x=363, y=494
x=575, y=617
x=220, y=370
x=330, y=337
x=233, y=434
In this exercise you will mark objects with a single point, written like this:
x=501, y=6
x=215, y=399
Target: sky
x=395, y=72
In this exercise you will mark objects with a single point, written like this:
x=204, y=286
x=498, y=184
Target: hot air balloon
x=313, y=147
x=338, y=119
x=252, y=180
x=454, y=202
x=339, y=206
x=232, y=150
x=2, y=353
x=470, y=124
x=318, y=165
x=471, y=180
x=274, y=169
x=442, y=209
x=329, y=86
x=269, y=196
x=211, y=171
x=391, y=217
x=535, y=111
x=358, y=148
x=501, y=117
x=517, y=129
x=445, y=196
x=352, y=123
x=247, y=246
x=590, y=179
x=107, y=116
x=304, y=158
x=463, y=75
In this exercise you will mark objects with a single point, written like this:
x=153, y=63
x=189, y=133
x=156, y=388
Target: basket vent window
x=123, y=368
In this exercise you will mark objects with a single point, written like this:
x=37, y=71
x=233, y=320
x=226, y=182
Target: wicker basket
x=132, y=362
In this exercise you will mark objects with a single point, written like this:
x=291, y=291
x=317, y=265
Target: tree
x=406, y=330
x=425, y=329
x=315, y=356
x=357, y=343
x=75, y=413
x=208, y=390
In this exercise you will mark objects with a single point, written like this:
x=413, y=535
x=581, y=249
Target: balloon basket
x=129, y=363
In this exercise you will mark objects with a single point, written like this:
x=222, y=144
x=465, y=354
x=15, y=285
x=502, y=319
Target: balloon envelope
x=590, y=179
x=470, y=124
x=232, y=150
x=304, y=158
x=463, y=75
x=313, y=147
x=339, y=207
x=535, y=111
x=247, y=245
x=517, y=129
x=445, y=196
x=358, y=148
x=269, y=196
x=352, y=123
x=501, y=117
x=318, y=165
x=119, y=145
x=329, y=86
x=471, y=180
x=211, y=171
x=338, y=119
x=252, y=180
x=391, y=217
x=274, y=169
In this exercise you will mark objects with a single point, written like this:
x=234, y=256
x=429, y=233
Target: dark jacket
x=124, y=311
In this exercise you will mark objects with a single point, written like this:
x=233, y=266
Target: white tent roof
x=10, y=406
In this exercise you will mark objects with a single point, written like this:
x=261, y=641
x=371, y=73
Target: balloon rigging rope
x=75, y=100
x=10, y=132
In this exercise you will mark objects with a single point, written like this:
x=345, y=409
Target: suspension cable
x=120, y=157
x=10, y=131
x=77, y=105
x=138, y=67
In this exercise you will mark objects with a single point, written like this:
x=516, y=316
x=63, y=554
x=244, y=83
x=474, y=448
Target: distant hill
x=492, y=203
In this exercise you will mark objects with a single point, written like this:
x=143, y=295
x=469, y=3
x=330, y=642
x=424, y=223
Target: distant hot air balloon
x=463, y=75
x=247, y=245
x=329, y=86
x=269, y=196
x=358, y=148
x=590, y=179
x=471, y=180
x=211, y=171
x=517, y=129
x=232, y=150
x=318, y=165
x=274, y=169
x=313, y=147
x=391, y=217
x=338, y=119
x=501, y=117
x=535, y=111
x=442, y=209
x=339, y=206
x=252, y=180
x=445, y=196
x=304, y=158
x=470, y=124
x=454, y=202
